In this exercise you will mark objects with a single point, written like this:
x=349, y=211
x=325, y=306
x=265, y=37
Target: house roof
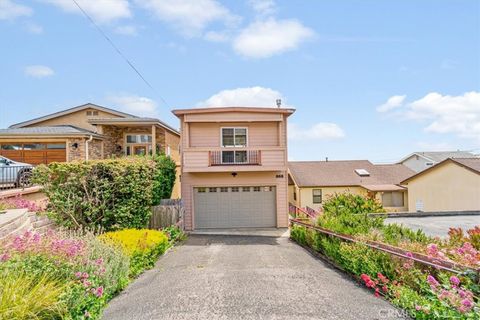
x=71, y=110
x=439, y=156
x=135, y=120
x=66, y=130
x=178, y=112
x=472, y=164
x=385, y=177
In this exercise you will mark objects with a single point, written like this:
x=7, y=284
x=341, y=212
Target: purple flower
x=454, y=281
x=432, y=281
x=467, y=303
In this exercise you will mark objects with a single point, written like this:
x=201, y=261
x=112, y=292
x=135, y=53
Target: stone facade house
x=87, y=132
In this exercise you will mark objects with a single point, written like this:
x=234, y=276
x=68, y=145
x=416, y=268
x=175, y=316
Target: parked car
x=13, y=173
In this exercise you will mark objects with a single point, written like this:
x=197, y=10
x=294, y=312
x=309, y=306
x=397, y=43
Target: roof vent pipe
x=279, y=103
x=326, y=159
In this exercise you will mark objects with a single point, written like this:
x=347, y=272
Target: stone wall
x=95, y=150
x=113, y=144
x=77, y=153
x=17, y=221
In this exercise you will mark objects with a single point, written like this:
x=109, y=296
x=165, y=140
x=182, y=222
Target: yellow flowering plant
x=143, y=246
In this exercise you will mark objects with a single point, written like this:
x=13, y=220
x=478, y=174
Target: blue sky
x=369, y=79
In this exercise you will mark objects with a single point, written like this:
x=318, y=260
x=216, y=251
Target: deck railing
x=235, y=157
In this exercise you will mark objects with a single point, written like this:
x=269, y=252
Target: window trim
x=234, y=146
x=314, y=196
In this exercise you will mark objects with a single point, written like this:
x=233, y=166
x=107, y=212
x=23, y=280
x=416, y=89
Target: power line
x=132, y=66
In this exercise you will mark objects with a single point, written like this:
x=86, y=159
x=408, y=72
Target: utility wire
x=120, y=52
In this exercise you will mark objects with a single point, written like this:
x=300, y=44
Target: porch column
x=154, y=140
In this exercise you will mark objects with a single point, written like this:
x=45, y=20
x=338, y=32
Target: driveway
x=437, y=225
x=245, y=277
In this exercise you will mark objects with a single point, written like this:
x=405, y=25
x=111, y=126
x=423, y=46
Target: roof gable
x=472, y=164
x=439, y=156
x=69, y=111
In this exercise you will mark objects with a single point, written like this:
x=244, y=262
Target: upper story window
x=234, y=137
x=317, y=195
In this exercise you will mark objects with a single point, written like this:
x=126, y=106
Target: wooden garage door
x=34, y=153
x=235, y=207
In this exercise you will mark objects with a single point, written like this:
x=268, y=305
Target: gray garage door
x=235, y=207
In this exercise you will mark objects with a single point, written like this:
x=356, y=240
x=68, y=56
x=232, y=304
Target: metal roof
x=49, y=130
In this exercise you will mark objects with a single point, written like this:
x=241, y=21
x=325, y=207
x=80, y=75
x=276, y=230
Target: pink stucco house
x=234, y=167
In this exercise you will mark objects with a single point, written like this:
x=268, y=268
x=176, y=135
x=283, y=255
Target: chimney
x=326, y=159
x=279, y=103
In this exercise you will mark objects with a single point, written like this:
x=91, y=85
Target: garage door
x=235, y=207
x=34, y=153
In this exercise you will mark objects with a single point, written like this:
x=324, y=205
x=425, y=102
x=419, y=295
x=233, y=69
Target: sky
x=369, y=79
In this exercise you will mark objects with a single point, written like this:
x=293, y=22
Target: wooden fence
x=169, y=212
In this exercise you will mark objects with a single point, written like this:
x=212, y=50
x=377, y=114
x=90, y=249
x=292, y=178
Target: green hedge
x=111, y=194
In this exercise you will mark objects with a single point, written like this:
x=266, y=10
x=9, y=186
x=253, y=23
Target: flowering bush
x=424, y=292
x=21, y=203
x=87, y=271
x=142, y=246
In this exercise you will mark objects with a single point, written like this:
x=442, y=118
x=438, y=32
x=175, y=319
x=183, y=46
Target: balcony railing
x=235, y=157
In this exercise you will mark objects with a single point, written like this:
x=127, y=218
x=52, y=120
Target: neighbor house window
x=295, y=195
x=392, y=199
x=234, y=137
x=139, y=138
x=317, y=195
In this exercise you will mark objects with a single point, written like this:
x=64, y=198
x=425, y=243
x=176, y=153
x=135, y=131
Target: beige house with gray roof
x=451, y=185
x=312, y=182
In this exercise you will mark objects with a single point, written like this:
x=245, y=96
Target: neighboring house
x=451, y=185
x=419, y=161
x=87, y=132
x=234, y=167
x=312, y=182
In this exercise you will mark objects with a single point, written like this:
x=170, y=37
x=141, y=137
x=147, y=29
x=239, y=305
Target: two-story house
x=234, y=167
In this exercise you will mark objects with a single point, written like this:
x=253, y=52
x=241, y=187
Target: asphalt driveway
x=437, y=225
x=245, y=277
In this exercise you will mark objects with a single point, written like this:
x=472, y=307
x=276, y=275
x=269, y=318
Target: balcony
x=199, y=159
x=235, y=157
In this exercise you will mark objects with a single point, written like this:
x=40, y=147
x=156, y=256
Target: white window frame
x=133, y=144
x=234, y=146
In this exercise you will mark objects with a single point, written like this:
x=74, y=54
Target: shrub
x=142, y=246
x=164, y=178
x=24, y=297
x=89, y=271
x=352, y=203
x=111, y=194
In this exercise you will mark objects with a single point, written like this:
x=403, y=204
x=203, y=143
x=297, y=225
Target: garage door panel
x=35, y=153
x=235, y=209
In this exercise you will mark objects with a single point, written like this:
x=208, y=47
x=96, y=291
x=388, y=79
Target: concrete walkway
x=239, y=277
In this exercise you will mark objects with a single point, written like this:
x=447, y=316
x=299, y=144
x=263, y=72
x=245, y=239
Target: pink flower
x=418, y=308
x=432, y=281
x=454, y=281
x=86, y=283
x=99, y=261
x=4, y=257
x=78, y=274
x=99, y=292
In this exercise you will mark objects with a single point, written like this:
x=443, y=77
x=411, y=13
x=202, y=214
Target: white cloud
x=39, y=71
x=458, y=115
x=102, y=11
x=127, y=30
x=263, y=39
x=243, y=97
x=263, y=7
x=319, y=131
x=34, y=28
x=10, y=10
x=136, y=105
x=392, y=103
x=190, y=17
x=216, y=36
